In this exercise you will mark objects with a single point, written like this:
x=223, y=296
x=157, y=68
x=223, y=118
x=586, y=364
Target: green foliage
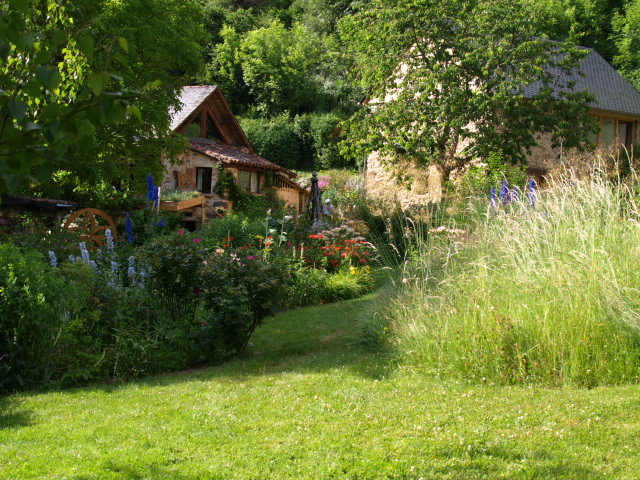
x=446, y=74
x=316, y=286
x=241, y=228
x=51, y=97
x=227, y=186
x=308, y=141
x=175, y=262
x=479, y=178
x=627, y=29
x=589, y=23
x=237, y=296
x=36, y=305
x=162, y=55
x=275, y=139
x=148, y=224
x=254, y=206
x=274, y=65
x=319, y=135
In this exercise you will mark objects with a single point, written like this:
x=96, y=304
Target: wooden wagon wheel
x=92, y=223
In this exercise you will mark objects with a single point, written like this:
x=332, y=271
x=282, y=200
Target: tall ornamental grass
x=546, y=293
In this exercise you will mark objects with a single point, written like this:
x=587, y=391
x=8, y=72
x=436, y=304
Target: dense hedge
x=306, y=141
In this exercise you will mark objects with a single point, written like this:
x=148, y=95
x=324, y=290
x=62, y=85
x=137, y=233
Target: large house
x=615, y=108
x=217, y=140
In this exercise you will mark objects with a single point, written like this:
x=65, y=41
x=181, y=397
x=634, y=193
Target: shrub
x=309, y=286
x=546, y=294
x=234, y=230
x=274, y=139
x=237, y=295
x=147, y=224
x=319, y=135
x=37, y=305
x=254, y=206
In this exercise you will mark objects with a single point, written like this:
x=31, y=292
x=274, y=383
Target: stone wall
x=402, y=182
x=426, y=184
x=186, y=168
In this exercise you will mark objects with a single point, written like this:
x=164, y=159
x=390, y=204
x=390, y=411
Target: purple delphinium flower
x=532, y=193
x=129, y=228
x=494, y=196
x=84, y=253
x=162, y=223
x=504, y=192
x=52, y=259
x=151, y=189
x=515, y=193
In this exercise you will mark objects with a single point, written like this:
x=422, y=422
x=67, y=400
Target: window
x=176, y=183
x=249, y=181
x=625, y=134
x=608, y=132
x=203, y=179
x=194, y=129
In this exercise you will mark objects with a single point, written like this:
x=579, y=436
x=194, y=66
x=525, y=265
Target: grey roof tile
x=191, y=97
x=612, y=92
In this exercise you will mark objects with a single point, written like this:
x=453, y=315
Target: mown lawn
x=309, y=402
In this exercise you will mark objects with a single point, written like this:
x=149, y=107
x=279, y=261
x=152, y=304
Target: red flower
x=196, y=240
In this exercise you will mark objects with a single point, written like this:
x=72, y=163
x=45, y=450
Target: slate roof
x=235, y=156
x=191, y=97
x=612, y=92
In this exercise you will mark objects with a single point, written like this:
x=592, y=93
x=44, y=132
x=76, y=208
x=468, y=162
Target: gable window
x=212, y=132
x=203, y=179
x=249, y=181
x=195, y=127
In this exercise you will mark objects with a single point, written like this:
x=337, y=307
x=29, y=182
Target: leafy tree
x=50, y=99
x=585, y=22
x=628, y=42
x=320, y=16
x=279, y=67
x=163, y=55
x=446, y=80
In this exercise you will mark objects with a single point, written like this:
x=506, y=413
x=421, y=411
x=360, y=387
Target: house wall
x=186, y=168
x=381, y=181
x=388, y=182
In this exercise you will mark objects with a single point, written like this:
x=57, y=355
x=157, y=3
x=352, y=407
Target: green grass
x=548, y=295
x=310, y=400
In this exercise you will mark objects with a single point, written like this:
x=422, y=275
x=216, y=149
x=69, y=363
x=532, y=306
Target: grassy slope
x=306, y=402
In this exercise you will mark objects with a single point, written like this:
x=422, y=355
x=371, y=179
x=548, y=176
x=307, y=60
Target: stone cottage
x=217, y=140
x=615, y=108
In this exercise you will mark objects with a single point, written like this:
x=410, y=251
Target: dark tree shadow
x=12, y=415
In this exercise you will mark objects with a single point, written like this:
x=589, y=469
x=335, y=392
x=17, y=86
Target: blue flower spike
x=504, y=192
x=532, y=193
x=129, y=228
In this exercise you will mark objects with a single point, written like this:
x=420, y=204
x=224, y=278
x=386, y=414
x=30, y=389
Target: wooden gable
x=213, y=119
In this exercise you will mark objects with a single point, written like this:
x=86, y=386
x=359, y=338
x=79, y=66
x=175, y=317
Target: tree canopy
x=50, y=99
x=446, y=82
